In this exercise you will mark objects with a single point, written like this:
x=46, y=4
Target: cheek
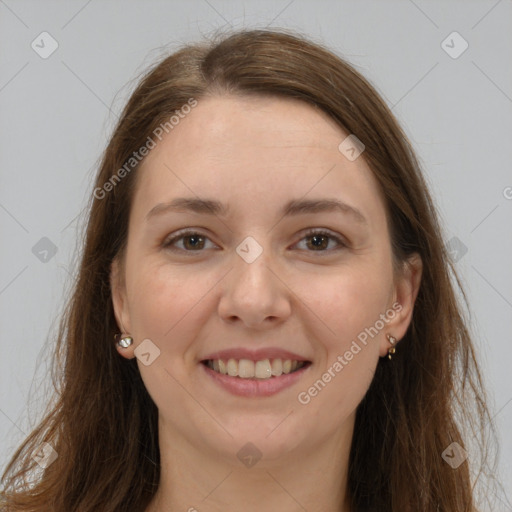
x=349, y=302
x=349, y=306
x=160, y=299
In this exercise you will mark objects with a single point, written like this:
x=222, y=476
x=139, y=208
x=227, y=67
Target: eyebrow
x=293, y=207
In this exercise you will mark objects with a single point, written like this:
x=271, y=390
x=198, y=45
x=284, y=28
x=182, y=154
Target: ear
x=120, y=304
x=406, y=288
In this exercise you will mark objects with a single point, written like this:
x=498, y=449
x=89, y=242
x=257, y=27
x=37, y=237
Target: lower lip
x=255, y=387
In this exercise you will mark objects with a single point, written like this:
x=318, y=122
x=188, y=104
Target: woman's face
x=253, y=281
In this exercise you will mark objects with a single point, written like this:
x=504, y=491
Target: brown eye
x=190, y=241
x=319, y=241
x=194, y=241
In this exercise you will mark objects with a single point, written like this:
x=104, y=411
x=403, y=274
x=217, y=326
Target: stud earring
x=391, y=340
x=125, y=341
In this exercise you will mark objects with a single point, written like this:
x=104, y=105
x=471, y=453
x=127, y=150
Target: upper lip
x=254, y=354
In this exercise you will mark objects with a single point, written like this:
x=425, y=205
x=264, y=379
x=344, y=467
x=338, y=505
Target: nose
x=254, y=294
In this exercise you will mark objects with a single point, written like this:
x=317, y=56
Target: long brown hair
x=103, y=425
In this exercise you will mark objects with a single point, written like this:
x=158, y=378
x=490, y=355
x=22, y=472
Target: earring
x=125, y=341
x=391, y=340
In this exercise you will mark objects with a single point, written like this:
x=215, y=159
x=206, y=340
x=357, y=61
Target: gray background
x=57, y=113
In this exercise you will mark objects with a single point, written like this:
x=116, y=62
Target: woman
x=264, y=317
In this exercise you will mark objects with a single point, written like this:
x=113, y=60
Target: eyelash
x=311, y=232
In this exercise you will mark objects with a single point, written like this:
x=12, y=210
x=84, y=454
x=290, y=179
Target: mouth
x=260, y=370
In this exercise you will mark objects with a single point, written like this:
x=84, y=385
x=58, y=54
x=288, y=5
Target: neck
x=193, y=481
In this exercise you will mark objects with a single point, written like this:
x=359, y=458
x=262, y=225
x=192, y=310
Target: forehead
x=251, y=150
x=274, y=121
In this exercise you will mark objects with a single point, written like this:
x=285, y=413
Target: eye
x=320, y=240
x=193, y=241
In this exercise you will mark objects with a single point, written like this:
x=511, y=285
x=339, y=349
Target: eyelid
x=178, y=235
x=324, y=231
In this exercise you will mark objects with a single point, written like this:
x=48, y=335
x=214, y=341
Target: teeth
x=247, y=369
x=232, y=368
x=277, y=367
x=263, y=369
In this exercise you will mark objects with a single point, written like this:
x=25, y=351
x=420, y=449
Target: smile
x=247, y=369
x=254, y=379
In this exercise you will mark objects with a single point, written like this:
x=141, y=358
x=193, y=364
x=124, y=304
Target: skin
x=256, y=154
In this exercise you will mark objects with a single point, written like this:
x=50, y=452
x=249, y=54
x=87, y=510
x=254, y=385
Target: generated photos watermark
x=304, y=397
